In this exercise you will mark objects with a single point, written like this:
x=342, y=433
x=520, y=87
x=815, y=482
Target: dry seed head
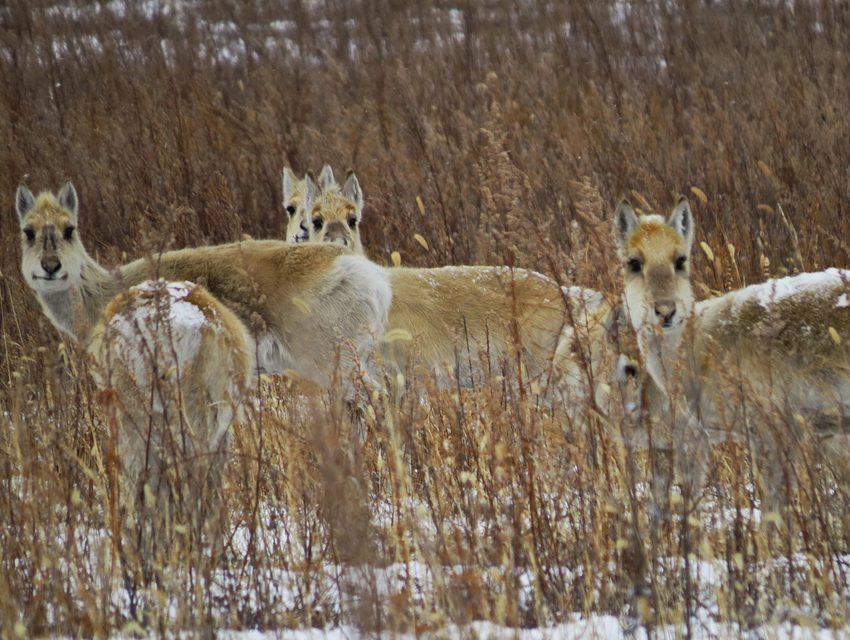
x=707, y=251
x=643, y=202
x=765, y=207
x=397, y=334
x=834, y=335
x=395, y=256
x=420, y=240
x=764, y=169
x=421, y=205
x=150, y=500
x=699, y=193
x=303, y=306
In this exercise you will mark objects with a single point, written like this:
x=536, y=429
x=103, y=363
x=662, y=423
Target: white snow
x=818, y=283
x=181, y=312
x=161, y=330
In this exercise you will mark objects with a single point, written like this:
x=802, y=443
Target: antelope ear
x=291, y=183
x=625, y=222
x=68, y=198
x=611, y=324
x=311, y=191
x=24, y=202
x=682, y=220
x=326, y=178
x=351, y=191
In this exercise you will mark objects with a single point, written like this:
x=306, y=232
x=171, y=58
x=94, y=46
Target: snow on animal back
x=818, y=284
x=158, y=328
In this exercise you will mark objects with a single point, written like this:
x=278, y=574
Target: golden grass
x=508, y=145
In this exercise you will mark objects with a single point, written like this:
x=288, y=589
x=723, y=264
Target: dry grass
x=518, y=125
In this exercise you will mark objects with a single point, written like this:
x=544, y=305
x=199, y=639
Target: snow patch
x=161, y=330
x=773, y=291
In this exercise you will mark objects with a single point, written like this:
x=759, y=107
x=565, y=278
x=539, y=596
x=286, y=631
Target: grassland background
x=518, y=125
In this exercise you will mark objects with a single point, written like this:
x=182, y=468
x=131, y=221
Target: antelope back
x=465, y=321
x=304, y=302
x=171, y=353
x=788, y=340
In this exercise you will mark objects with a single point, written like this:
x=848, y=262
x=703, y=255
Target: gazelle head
x=52, y=254
x=333, y=214
x=297, y=229
x=655, y=254
x=293, y=198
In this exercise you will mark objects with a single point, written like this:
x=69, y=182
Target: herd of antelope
x=207, y=320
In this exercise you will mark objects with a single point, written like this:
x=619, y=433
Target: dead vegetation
x=517, y=126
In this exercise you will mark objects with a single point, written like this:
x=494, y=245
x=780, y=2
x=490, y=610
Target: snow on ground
x=593, y=628
x=334, y=587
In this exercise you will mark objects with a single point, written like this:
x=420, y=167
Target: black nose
x=665, y=314
x=51, y=265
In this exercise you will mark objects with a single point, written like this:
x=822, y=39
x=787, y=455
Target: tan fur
x=333, y=214
x=463, y=321
x=299, y=227
x=771, y=357
x=302, y=303
x=293, y=200
x=455, y=316
x=790, y=352
x=173, y=365
x=150, y=341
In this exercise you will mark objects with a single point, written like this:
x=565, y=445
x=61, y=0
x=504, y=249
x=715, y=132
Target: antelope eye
x=634, y=265
x=680, y=263
x=29, y=233
x=317, y=223
x=290, y=209
x=352, y=223
x=69, y=232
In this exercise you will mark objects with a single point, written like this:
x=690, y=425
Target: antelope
x=297, y=229
x=456, y=321
x=772, y=357
x=333, y=214
x=303, y=303
x=461, y=321
x=173, y=365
